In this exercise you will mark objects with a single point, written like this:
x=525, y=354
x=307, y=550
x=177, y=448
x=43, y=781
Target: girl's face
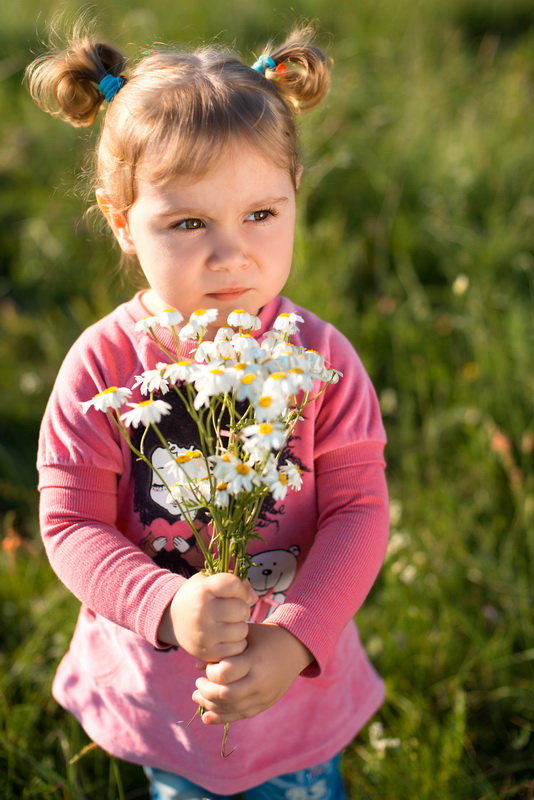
x=223, y=241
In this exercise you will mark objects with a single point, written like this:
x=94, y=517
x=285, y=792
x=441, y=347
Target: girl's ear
x=117, y=222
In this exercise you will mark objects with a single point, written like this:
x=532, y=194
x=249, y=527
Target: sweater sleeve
x=96, y=562
x=80, y=461
x=353, y=515
x=347, y=551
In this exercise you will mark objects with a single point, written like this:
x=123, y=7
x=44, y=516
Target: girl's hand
x=208, y=616
x=243, y=685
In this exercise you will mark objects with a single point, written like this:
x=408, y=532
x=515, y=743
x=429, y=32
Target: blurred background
x=415, y=239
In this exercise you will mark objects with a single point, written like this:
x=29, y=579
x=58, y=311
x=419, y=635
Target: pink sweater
x=117, y=546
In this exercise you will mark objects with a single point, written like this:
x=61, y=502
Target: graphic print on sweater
x=169, y=540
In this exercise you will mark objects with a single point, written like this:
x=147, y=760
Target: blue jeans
x=322, y=782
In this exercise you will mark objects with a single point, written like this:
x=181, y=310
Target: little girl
x=197, y=174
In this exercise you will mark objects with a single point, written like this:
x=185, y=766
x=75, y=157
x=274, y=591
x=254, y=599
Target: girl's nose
x=227, y=255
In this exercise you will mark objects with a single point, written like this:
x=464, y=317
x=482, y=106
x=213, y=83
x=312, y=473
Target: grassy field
x=415, y=238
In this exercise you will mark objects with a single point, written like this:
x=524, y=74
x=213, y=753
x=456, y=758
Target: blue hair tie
x=264, y=62
x=110, y=85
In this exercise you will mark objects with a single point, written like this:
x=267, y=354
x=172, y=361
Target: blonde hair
x=177, y=109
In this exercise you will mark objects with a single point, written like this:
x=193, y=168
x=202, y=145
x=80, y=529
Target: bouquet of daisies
x=246, y=396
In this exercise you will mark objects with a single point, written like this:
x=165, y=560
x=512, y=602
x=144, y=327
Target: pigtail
x=302, y=75
x=64, y=82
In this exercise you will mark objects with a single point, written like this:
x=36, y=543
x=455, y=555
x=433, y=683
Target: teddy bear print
x=271, y=574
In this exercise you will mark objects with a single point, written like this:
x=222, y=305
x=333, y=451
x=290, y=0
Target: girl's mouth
x=228, y=294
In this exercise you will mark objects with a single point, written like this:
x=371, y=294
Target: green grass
x=415, y=238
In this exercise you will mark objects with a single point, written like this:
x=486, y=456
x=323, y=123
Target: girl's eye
x=261, y=215
x=190, y=224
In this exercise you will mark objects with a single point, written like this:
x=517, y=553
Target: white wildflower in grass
x=148, y=412
x=113, y=397
x=152, y=380
x=170, y=317
x=287, y=323
x=146, y=324
x=258, y=440
x=242, y=319
x=210, y=381
x=460, y=285
x=378, y=741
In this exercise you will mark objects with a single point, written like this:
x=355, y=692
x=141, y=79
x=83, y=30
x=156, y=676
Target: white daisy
x=222, y=495
x=222, y=465
x=293, y=475
x=287, y=323
x=284, y=383
x=181, y=371
x=152, y=380
x=261, y=439
x=247, y=347
x=170, y=317
x=277, y=483
x=146, y=324
x=145, y=413
x=248, y=386
x=243, y=320
x=209, y=381
x=272, y=339
x=269, y=405
x=113, y=397
x=191, y=474
x=199, y=321
x=241, y=477
x=224, y=334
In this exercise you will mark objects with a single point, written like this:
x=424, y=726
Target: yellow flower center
x=199, y=312
x=265, y=428
x=278, y=375
x=216, y=371
x=222, y=487
x=146, y=402
x=296, y=371
x=240, y=365
x=265, y=401
x=109, y=391
x=282, y=477
x=246, y=379
x=243, y=469
x=184, y=363
x=239, y=311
